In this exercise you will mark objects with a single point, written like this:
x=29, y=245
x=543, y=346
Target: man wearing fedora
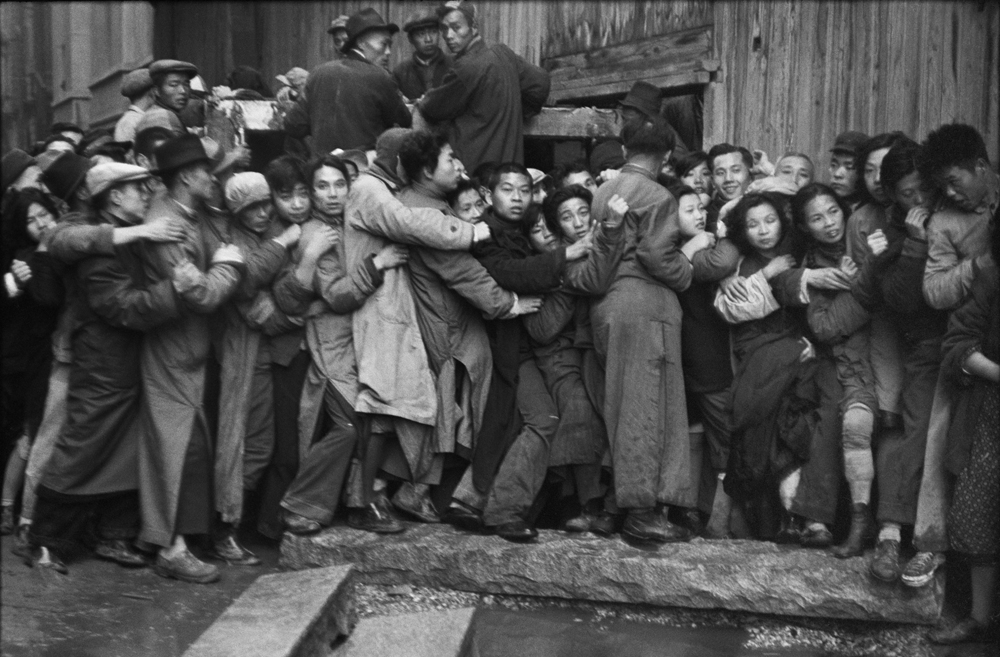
x=486, y=95
x=349, y=102
x=426, y=68
x=65, y=176
x=175, y=455
x=172, y=83
x=93, y=465
x=138, y=87
x=643, y=103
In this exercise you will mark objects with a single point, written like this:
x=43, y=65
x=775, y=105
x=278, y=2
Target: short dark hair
x=878, y=142
x=651, y=137
x=504, y=169
x=551, y=205
x=285, y=172
x=951, y=145
x=678, y=189
x=562, y=172
x=170, y=177
x=484, y=172
x=420, y=149
x=899, y=162
x=725, y=149
x=736, y=222
x=327, y=160
x=146, y=141
x=464, y=185
x=531, y=216
x=799, y=203
x=15, y=225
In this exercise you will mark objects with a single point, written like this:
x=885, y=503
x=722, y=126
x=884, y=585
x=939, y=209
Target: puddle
x=573, y=633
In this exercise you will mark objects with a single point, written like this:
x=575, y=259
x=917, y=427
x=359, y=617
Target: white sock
x=889, y=532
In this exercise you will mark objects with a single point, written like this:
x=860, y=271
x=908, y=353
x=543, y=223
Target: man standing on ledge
x=426, y=68
x=349, y=102
x=486, y=95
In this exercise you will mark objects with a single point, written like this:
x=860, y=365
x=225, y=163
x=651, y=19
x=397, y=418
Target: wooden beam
x=227, y=121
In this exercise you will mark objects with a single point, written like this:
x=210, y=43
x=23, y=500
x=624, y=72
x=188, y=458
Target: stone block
x=424, y=634
x=739, y=575
x=293, y=614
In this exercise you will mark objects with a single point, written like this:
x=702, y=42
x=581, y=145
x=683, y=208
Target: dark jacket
x=486, y=96
x=348, y=103
x=415, y=78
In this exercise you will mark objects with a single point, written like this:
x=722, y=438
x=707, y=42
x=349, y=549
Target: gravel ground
x=833, y=637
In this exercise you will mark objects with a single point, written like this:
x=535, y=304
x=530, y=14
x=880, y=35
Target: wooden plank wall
x=26, y=74
x=794, y=73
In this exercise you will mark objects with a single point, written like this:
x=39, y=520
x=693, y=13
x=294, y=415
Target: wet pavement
x=103, y=610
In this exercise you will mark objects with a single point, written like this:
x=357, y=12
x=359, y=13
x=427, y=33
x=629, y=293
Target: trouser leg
x=118, y=517
x=259, y=443
x=52, y=422
x=315, y=492
x=819, y=483
x=59, y=521
x=523, y=468
x=194, y=504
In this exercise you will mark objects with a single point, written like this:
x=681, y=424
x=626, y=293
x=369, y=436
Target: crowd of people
x=395, y=318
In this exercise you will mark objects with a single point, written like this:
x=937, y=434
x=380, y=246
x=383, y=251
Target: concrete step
x=738, y=575
x=294, y=614
x=424, y=634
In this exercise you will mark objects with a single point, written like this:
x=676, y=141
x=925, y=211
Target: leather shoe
x=185, y=567
x=791, y=529
x=819, y=537
x=372, y=518
x=300, y=525
x=648, y=525
x=885, y=564
x=464, y=518
x=229, y=550
x=602, y=523
x=415, y=503
x=579, y=524
x=121, y=552
x=691, y=520
x=517, y=532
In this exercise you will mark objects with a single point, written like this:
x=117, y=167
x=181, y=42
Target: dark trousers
x=819, y=486
x=900, y=454
x=194, y=502
x=60, y=519
x=288, y=381
x=316, y=489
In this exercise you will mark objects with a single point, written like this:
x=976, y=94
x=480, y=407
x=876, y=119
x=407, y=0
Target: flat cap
x=849, y=142
x=103, y=177
x=13, y=165
x=338, y=23
x=421, y=18
x=137, y=82
x=164, y=66
x=245, y=189
x=65, y=126
x=466, y=8
x=158, y=117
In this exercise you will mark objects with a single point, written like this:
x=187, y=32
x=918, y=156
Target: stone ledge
x=738, y=575
x=294, y=614
x=423, y=634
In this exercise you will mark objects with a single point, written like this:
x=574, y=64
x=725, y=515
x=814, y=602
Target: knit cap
x=245, y=189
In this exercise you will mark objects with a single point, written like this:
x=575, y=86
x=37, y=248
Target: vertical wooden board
x=802, y=126
x=948, y=76
x=931, y=37
x=992, y=113
x=972, y=63
x=894, y=106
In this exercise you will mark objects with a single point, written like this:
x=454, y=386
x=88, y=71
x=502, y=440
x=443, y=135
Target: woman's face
x=469, y=206
x=541, y=239
x=796, y=170
x=691, y=215
x=574, y=218
x=699, y=179
x=911, y=192
x=824, y=220
x=763, y=228
x=39, y=220
x=873, y=175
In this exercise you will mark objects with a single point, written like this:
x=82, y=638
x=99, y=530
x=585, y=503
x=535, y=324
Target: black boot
x=861, y=534
x=791, y=529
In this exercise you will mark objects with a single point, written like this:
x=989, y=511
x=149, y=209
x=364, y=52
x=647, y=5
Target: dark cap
x=137, y=82
x=419, y=19
x=849, y=142
x=13, y=165
x=466, y=8
x=164, y=66
x=366, y=20
x=64, y=126
x=180, y=152
x=606, y=155
x=66, y=173
x=643, y=97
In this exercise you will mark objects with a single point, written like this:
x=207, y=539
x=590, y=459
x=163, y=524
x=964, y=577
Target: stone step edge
x=284, y=614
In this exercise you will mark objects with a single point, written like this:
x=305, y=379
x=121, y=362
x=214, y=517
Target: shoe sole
x=121, y=562
x=646, y=538
x=431, y=520
x=890, y=580
x=373, y=530
x=917, y=583
x=169, y=574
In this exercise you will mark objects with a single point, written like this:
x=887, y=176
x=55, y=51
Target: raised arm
x=469, y=279
x=113, y=296
x=658, y=244
x=372, y=208
x=947, y=276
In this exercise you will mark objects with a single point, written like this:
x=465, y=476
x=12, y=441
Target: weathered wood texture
x=26, y=73
x=794, y=73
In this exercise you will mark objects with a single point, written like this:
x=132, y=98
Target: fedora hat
x=180, y=152
x=363, y=22
x=643, y=97
x=65, y=175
